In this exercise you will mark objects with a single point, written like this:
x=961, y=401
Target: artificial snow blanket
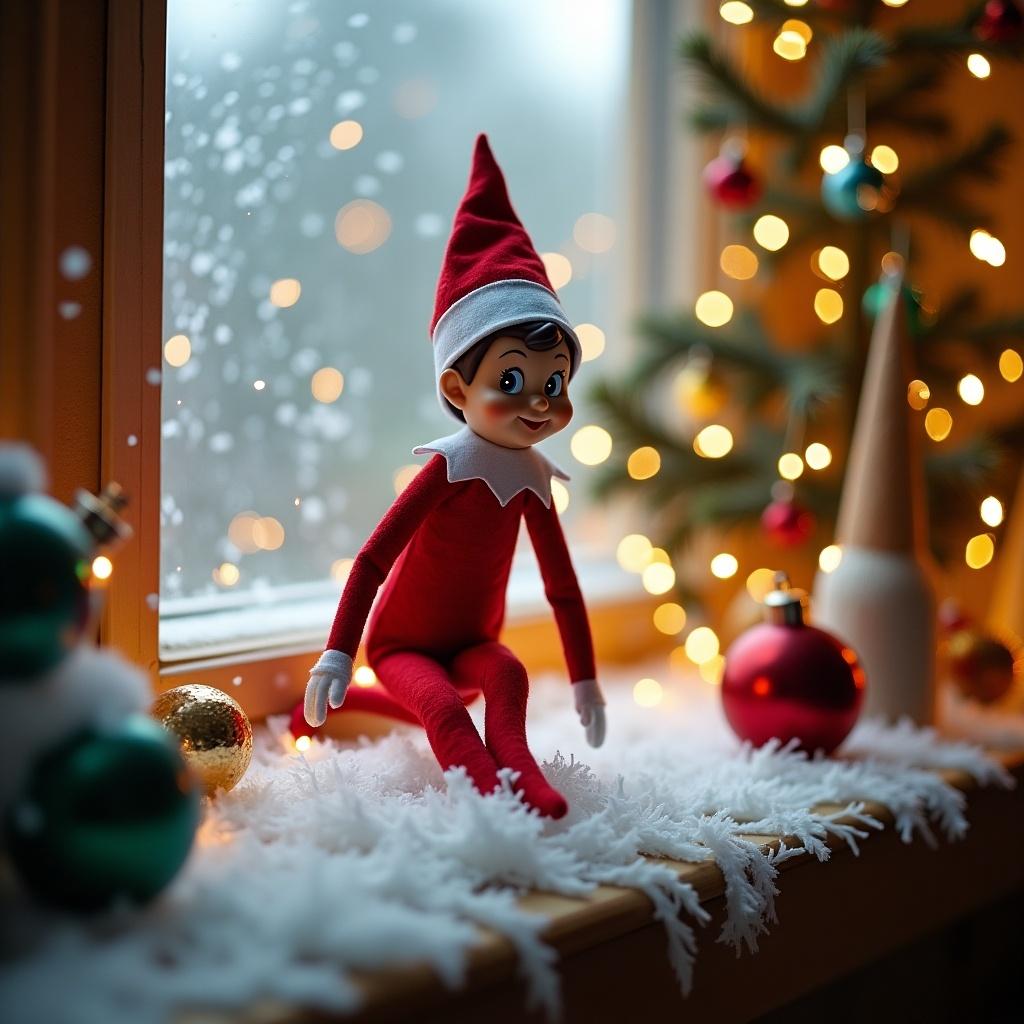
x=362, y=855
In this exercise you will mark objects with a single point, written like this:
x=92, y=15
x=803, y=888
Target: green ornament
x=851, y=193
x=877, y=294
x=45, y=565
x=108, y=816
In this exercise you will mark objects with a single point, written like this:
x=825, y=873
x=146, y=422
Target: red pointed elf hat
x=491, y=276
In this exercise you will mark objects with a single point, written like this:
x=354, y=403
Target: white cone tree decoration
x=879, y=598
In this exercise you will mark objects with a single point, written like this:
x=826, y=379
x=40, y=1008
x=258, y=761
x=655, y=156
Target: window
x=315, y=152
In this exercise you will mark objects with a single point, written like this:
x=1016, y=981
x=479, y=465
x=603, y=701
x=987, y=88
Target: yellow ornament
x=213, y=730
x=697, y=390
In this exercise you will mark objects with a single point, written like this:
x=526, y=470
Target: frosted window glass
x=315, y=153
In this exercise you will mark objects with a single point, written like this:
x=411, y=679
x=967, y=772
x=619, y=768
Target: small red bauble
x=1000, y=22
x=981, y=666
x=787, y=523
x=784, y=679
x=730, y=181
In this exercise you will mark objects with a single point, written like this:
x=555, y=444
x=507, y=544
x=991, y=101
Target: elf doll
x=504, y=354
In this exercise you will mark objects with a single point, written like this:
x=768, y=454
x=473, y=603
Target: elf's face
x=518, y=397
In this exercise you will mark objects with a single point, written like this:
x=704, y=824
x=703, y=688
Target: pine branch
x=933, y=190
x=737, y=99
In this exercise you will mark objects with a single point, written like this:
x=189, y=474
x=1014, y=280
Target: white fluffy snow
x=362, y=856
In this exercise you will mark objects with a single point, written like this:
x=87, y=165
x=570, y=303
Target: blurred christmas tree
x=728, y=423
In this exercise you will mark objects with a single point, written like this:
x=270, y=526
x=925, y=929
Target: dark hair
x=539, y=336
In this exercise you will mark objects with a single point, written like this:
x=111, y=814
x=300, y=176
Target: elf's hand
x=590, y=707
x=328, y=684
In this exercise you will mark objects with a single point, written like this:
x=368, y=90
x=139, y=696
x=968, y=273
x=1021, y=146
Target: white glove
x=590, y=708
x=328, y=683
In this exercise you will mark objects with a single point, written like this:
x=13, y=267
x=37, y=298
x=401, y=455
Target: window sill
x=835, y=918
x=299, y=617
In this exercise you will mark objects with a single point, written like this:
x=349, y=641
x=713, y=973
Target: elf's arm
x=562, y=590
x=330, y=676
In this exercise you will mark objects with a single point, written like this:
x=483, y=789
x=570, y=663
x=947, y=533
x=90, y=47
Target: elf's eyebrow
x=562, y=355
x=517, y=351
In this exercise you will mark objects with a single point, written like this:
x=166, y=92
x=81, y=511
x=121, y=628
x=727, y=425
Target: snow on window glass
x=315, y=154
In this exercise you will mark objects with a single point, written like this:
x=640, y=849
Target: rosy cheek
x=561, y=412
x=497, y=405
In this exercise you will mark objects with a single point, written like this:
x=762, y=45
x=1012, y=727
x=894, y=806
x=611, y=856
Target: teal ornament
x=45, y=566
x=852, y=192
x=107, y=817
x=877, y=294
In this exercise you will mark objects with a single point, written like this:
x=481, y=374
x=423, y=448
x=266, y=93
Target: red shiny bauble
x=784, y=679
x=787, y=523
x=1000, y=22
x=731, y=183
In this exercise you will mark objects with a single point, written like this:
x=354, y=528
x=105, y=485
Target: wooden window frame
x=85, y=104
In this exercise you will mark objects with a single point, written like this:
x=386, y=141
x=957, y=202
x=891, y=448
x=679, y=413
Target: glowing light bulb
x=634, y=552
x=713, y=442
x=643, y=463
x=771, y=232
x=346, y=135
x=918, y=394
x=259, y=385
x=938, y=423
x=818, y=455
x=403, y=476
x=669, y=618
x=833, y=158
x=833, y=262
x=558, y=267
x=268, y=533
x=979, y=551
x=591, y=445
x=102, y=567
x=1011, y=366
x=724, y=565
x=364, y=676
x=790, y=45
x=712, y=670
x=801, y=28
x=760, y=583
x=884, y=158
x=829, y=558
x=738, y=262
x=660, y=555
x=828, y=304
x=340, y=568
x=560, y=495
x=594, y=232
x=987, y=248
x=648, y=693
x=658, y=578
x=226, y=574
x=713, y=308
x=285, y=292
x=303, y=743
x=701, y=645
x=991, y=511
x=178, y=350
x=791, y=466
x=970, y=389
x=592, y=341
x=978, y=65
x=327, y=384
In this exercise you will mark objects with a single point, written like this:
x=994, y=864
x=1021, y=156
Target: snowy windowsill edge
x=298, y=617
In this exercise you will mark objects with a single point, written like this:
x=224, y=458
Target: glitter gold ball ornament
x=214, y=732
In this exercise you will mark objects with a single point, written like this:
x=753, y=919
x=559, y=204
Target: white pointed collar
x=507, y=471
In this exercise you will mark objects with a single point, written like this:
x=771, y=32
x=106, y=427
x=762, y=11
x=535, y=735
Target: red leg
x=499, y=672
x=422, y=686
x=374, y=700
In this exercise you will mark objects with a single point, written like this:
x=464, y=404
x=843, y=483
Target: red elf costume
x=441, y=555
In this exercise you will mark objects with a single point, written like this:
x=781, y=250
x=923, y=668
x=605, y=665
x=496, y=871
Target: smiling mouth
x=533, y=424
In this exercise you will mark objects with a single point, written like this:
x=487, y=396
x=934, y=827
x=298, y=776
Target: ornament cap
x=785, y=604
x=100, y=513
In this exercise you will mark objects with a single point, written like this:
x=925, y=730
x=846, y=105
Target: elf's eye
x=553, y=387
x=512, y=381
